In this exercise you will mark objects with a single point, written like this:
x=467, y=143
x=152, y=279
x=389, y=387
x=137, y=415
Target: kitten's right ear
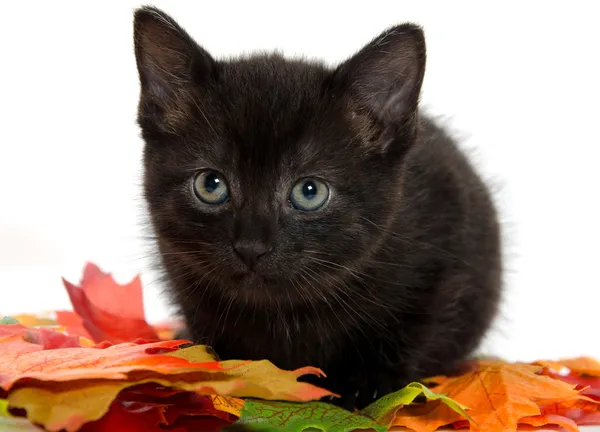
x=168, y=62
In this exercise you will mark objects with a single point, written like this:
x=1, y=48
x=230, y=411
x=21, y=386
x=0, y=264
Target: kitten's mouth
x=251, y=276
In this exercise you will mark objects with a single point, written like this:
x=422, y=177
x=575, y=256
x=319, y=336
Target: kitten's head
x=273, y=179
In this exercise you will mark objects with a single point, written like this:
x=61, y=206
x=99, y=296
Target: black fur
x=397, y=277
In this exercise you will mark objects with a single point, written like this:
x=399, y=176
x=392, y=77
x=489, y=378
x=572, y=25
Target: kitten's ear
x=168, y=60
x=385, y=77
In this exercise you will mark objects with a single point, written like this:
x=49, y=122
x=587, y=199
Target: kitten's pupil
x=309, y=190
x=212, y=183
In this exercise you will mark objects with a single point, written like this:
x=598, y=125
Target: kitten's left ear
x=385, y=77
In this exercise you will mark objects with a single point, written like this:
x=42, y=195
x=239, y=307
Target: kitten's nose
x=250, y=251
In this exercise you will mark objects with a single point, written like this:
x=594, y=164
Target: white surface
x=520, y=81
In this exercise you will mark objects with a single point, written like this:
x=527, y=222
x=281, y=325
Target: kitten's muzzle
x=251, y=251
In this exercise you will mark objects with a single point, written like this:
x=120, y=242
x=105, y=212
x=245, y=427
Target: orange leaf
x=20, y=359
x=544, y=420
x=581, y=411
x=63, y=387
x=104, y=317
x=227, y=404
x=584, y=372
x=24, y=355
x=68, y=405
x=580, y=366
x=498, y=395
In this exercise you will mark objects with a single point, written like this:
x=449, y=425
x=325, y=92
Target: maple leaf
x=109, y=372
x=36, y=339
x=147, y=410
x=498, y=395
x=141, y=418
x=72, y=407
x=102, y=316
x=545, y=420
x=581, y=366
x=228, y=404
x=299, y=417
x=72, y=323
x=293, y=416
x=567, y=414
x=9, y=423
x=64, y=388
x=584, y=372
x=21, y=357
x=128, y=418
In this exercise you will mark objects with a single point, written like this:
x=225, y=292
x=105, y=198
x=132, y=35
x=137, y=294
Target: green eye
x=210, y=188
x=309, y=195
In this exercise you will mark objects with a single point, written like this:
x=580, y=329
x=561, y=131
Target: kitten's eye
x=309, y=194
x=210, y=188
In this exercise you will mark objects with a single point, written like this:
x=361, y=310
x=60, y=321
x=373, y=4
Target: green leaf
x=384, y=410
x=270, y=416
x=14, y=424
x=4, y=408
x=8, y=320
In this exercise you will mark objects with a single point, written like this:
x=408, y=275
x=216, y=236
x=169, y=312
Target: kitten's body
x=395, y=278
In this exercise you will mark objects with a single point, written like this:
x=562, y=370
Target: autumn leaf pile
x=102, y=368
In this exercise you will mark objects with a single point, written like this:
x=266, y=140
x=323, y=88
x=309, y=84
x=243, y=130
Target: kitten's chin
x=259, y=288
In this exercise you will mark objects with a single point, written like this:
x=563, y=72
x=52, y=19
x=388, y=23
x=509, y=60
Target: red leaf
x=176, y=404
x=72, y=323
x=109, y=311
x=27, y=339
x=49, y=339
x=130, y=417
x=584, y=377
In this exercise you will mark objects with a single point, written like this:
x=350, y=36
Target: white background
x=518, y=81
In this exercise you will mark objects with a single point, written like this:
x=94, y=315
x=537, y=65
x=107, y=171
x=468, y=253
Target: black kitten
x=311, y=216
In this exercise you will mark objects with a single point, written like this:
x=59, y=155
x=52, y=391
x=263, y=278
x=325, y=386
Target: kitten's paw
x=374, y=387
x=361, y=391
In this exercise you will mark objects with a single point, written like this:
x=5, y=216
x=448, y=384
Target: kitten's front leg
x=359, y=389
